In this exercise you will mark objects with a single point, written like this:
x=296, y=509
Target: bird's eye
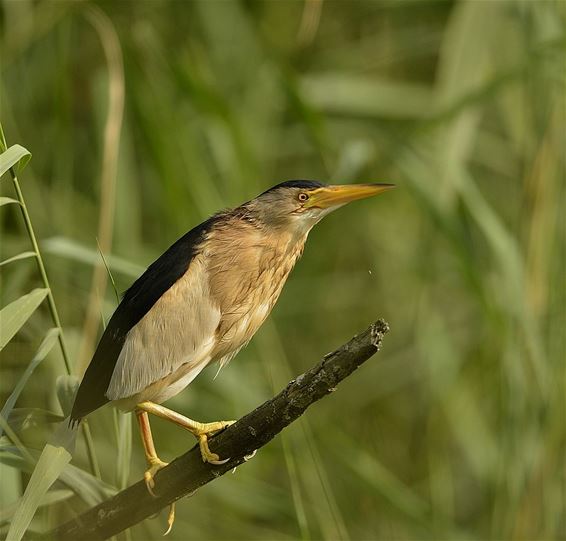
x=303, y=197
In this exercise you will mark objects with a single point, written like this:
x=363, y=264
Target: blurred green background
x=145, y=117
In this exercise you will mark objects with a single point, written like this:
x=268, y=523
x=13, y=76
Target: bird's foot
x=155, y=464
x=202, y=433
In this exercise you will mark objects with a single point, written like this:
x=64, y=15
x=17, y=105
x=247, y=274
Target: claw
x=200, y=430
x=218, y=462
x=250, y=456
x=207, y=430
x=170, y=519
x=150, y=484
x=148, y=476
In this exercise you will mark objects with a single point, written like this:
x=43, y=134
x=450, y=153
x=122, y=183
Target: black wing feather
x=137, y=301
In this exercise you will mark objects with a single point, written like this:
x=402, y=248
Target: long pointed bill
x=334, y=196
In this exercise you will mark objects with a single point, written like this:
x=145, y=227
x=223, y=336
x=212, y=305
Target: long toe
x=149, y=475
x=170, y=519
x=208, y=429
x=212, y=428
x=207, y=454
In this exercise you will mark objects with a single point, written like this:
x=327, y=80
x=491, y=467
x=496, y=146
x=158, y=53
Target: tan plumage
x=208, y=315
x=202, y=301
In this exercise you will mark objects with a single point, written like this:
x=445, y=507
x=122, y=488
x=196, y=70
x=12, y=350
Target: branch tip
x=378, y=330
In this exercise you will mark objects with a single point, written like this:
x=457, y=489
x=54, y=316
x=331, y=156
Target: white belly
x=169, y=391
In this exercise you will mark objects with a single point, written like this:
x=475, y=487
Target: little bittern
x=202, y=301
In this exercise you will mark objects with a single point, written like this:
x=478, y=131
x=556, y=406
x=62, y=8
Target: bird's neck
x=283, y=248
x=247, y=267
x=258, y=253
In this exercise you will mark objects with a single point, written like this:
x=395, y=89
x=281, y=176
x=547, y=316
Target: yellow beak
x=331, y=196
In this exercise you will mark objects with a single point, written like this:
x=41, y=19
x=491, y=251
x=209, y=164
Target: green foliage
x=47, y=470
x=45, y=347
x=458, y=431
x=14, y=157
x=14, y=316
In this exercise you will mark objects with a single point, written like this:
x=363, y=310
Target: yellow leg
x=154, y=462
x=200, y=430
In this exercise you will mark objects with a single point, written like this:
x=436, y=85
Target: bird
x=200, y=302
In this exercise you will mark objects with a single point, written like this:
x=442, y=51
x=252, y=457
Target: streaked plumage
x=202, y=301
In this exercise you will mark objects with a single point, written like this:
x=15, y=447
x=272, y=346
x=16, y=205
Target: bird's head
x=299, y=204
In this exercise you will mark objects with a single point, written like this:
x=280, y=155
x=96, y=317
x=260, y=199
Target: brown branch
x=188, y=473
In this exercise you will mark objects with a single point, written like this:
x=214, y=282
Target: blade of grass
x=44, y=348
x=88, y=488
x=8, y=201
x=52, y=497
x=110, y=42
x=66, y=389
x=370, y=472
x=47, y=470
x=109, y=274
x=24, y=418
x=23, y=255
x=124, y=455
x=361, y=96
x=296, y=490
x=122, y=422
x=331, y=520
x=14, y=315
x=51, y=300
x=508, y=255
x=71, y=249
x=39, y=259
x=324, y=481
x=15, y=157
x=15, y=440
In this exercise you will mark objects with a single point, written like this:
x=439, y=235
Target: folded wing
x=138, y=302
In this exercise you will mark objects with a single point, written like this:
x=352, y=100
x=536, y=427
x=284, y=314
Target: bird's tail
x=66, y=435
x=56, y=454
